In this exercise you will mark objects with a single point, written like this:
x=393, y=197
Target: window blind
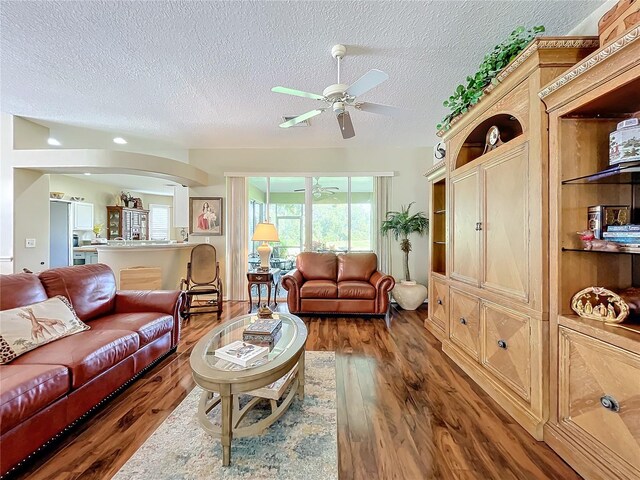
x=159, y=222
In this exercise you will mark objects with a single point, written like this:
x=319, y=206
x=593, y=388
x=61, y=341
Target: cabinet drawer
x=507, y=347
x=464, y=321
x=599, y=392
x=440, y=299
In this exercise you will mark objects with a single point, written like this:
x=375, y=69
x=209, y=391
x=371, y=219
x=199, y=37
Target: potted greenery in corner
x=401, y=225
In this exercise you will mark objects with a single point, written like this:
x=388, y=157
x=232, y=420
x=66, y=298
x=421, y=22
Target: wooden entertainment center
x=506, y=258
x=594, y=408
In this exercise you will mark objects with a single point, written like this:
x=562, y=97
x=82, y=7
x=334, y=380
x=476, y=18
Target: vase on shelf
x=409, y=294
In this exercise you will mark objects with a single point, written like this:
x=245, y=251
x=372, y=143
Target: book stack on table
x=264, y=332
x=242, y=353
x=627, y=236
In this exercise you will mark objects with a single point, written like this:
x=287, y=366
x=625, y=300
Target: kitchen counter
x=142, y=246
x=171, y=258
x=86, y=249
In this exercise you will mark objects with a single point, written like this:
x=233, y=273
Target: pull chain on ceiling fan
x=339, y=97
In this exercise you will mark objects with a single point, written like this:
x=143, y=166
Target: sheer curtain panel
x=382, y=193
x=236, y=261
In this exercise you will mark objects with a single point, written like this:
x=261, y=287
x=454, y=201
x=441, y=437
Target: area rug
x=301, y=444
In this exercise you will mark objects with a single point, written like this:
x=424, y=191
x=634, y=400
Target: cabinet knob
x=478, y=226
x=502, y=344
x=463, y=320
x=439, y=301
x=610, y=403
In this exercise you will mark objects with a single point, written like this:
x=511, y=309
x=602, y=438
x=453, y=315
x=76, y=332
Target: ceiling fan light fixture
x=339, y=96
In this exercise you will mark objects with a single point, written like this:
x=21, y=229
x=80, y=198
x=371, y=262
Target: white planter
x=409, y=295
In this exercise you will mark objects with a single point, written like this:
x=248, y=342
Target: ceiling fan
x=339, y=96
x=318, y=191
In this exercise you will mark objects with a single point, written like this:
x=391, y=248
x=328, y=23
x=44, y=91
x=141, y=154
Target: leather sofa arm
x=292, y=282
x=383, y=284
x=163, y=301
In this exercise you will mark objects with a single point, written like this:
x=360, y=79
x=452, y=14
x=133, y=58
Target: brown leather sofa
x=48, y=389
x=344, y=283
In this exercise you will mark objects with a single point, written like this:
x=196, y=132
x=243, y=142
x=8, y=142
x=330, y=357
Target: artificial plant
x=464, y=97
x=401, y=225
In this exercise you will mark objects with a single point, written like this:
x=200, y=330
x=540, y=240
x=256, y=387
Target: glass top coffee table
x=268, y=377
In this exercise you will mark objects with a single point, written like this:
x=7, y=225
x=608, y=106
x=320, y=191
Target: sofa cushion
x=148, y=325
x=357, y=290
x=25, y=289
x=27, y=389
x=317, y=266
x=319, y=289
x=91, y=288
x=356, y=266
x=86, y=354
x=25, y=328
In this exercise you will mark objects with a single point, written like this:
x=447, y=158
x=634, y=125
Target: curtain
x=237, y=254
x=382, y=195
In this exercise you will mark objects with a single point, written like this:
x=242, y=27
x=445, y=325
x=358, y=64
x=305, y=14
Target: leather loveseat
x=347, y=283
x=44, y=391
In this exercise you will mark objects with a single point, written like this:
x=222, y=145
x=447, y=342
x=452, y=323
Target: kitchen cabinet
x=127, y=223
x=82, y=216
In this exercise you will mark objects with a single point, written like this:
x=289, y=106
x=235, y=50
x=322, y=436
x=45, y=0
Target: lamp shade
x=265, y=232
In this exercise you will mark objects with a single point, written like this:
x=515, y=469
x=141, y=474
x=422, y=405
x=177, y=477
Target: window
x=159, y=222
x=342, y=214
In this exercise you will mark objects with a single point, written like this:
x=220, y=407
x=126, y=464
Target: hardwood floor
x=405, y=411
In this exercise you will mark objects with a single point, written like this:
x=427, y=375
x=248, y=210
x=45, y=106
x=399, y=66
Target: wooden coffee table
x=223, y=382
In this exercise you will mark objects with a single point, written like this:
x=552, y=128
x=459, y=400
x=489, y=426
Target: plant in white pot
x=401, y=225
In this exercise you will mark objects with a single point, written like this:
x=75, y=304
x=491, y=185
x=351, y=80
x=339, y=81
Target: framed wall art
x=205, y=216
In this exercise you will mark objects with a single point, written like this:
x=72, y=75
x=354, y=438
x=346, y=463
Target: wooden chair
x=203, y=278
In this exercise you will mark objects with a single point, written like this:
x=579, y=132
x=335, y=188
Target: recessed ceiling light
x=53, y=142
x=120, y=141
x=87, y=173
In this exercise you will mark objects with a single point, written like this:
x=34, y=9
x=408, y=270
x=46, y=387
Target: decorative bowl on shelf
x=56, y=195
x=77, y=199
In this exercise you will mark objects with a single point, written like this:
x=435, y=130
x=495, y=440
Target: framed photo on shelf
x=205, y=216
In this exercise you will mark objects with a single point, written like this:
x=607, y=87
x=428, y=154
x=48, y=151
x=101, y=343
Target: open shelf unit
x=589, y=360
x=437, y=225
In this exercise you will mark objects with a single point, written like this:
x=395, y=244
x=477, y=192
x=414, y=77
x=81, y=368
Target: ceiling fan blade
x=382, y=109
x=300, y=118
x=297, y=93
x=346, y=127
x=369, y=80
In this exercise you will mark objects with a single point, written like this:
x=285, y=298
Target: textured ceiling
x=199, y=73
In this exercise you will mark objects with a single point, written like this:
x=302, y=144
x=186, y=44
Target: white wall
x=31, y=210
x=589, y=26
x=6, y=195
x=17, y=131
x=408, y=185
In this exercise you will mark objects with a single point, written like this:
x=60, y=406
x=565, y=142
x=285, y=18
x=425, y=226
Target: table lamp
x=265, y=232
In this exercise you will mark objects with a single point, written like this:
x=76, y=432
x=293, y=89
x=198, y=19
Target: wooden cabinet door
x=507, y=347
x=464, y=322
x=465, y=245
x=439, y=302
x=82, y=216
x=505, y=224
x=599, y=397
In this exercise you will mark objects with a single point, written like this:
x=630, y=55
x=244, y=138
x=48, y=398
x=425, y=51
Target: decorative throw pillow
x=25, y=328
